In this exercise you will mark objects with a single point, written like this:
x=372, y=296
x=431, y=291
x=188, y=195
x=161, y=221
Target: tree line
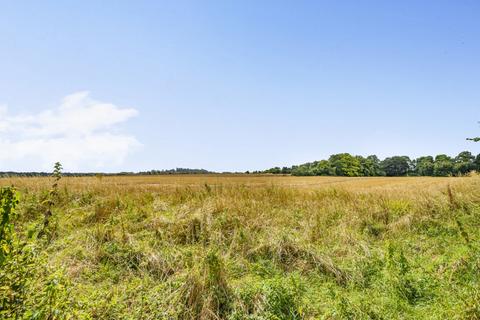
x=93, y=174
x=345, y=164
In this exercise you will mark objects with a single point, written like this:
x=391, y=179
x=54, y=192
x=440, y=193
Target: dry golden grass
x=263, y=246
x=116, y=183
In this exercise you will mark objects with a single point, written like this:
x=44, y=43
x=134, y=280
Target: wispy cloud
x=81, y=133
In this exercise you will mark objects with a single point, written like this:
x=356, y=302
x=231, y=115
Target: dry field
x=169, y=182
x=247, y=247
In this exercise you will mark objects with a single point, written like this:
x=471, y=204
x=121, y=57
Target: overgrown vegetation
x=248, y=247
x=344, y=164
x=29, y=287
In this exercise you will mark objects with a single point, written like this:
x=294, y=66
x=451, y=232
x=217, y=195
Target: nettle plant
x=14, y=259
x=8, y=203
x=49, y=223
x=29, y=289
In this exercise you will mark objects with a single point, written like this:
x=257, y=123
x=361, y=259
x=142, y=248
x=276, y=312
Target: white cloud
x=81, y=133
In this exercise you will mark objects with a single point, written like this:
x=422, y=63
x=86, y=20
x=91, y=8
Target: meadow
x=241, y=247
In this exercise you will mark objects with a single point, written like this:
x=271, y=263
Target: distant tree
x=376, y=165
x=443, y=166
x=464, y=163
x=465, y=156
x=302, y=170
x=424, y=166
x=365, y=167
x=274, y=170
x=396, y=166
x=286, y=170
x=322, y=168
x=344, y=164
x=442, y=157
x=477, y=162
x=370, y=166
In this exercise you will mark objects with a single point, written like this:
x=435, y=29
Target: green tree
x=443, y=166
x=344, y=164
x=375, y=166
x=369, y=166
x=396, y=166
x=302, y=170
x=424, y=166
x=286, y=170
x=321, y=168
x=464, y=163
x=274, y=170
x=465, y=156
x=366, y=169
x=477, y=163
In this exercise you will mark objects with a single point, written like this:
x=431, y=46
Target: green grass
x=235, y=251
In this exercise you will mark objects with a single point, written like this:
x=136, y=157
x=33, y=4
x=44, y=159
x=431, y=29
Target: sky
x=234, y=85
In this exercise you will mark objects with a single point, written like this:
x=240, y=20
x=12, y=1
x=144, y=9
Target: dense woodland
x=345, y=164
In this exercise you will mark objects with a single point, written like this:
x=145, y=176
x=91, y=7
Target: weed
x=49, y=227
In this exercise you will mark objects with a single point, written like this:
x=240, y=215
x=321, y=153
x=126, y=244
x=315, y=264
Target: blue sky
x=234, y=85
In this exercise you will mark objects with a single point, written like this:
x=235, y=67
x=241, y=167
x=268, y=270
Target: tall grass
x=252, y=247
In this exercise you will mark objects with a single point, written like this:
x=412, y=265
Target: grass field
x=248, y=247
